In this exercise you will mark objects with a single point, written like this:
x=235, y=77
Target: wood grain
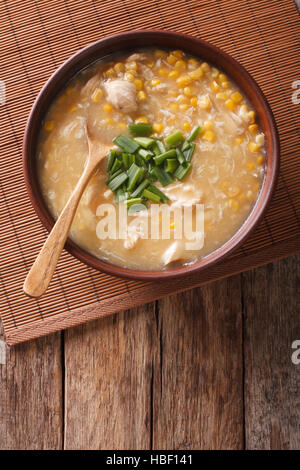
x=108, y=382
x=197, y=394
x=31, y=395
x=272, y=381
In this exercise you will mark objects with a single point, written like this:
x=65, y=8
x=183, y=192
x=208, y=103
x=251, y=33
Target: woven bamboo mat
x=36, y=37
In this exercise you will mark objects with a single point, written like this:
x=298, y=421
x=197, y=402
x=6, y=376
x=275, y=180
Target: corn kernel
x=141, y=96
x=97, y=95
x=49, y=126
x=214, y=86
x=159, y=54
x=222, y=78
x=187, y=91
x=72, y=108
x=215, y=72
x=183, y=107
x=250, y=195
x=109, y=121
x=236, y=97
x=138, y=83
x=107, y=107
x=155, y=82
x=129, y=76
x=253, y=147
x=209, y=136
x=122, y=125
x=251, y=115
x=238, y=140
x=173, y=93
x=173, y=74
x=162, y=72
x=205, y=67
x=186, y=126
x=250, y=166
x=194, y=101
x=110, y=73
x=234, y=205
x=226, y=85
x=204, y=103
x=230, y=105
x=171, y=59
x=174, y=106
x=260, y=140
x=260, y=159
x=221, y=96
x=182, y=99
x=172, y=225
x=142, y=120
x=233, y=191
x=183, y=81
x=119, y=67
x=158, y=127
x=193, y=62
x=196, y=74
x=180, y=65
x=151, y=65
x=131, y=65
x=177, y=54
x=253, y=128
x=208, y=125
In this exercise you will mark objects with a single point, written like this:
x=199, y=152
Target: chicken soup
x=183, y=137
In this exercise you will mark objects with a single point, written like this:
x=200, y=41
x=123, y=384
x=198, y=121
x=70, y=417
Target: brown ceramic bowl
x=161, y=39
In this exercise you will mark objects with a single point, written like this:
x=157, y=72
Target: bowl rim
x=239, y=237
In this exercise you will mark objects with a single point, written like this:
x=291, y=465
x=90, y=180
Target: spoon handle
x=41, y=272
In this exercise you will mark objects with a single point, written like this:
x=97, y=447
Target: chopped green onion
x=194, y=134
x=117, y=164
x=134, y=174
x=161, y=158
x=182, y=171
x=189, y=152
x=121, y=195
x=180, y=156
x=158, y=192
x=140, y=129
x=158, y=147
x=131, y=159
x=140, y=161
x=126, y=144
x=111, y=159
x=113, y=175
x=117, y=181
x=125, y=160
x=146, y=154
x=133, y=201
x=174, y=139
x=144, y=141
x=163, y=177
x=186, y=145
x=143, y=185
x=151, y=196
x=171, y=164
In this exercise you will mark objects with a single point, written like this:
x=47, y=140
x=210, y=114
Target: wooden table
x=207, y=369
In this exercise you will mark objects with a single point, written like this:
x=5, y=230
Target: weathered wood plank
x=272, y=381
x=108, y=382
x=31, y=395
x=197, y=395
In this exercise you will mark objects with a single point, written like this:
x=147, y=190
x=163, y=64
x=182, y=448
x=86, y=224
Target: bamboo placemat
x=36, y=37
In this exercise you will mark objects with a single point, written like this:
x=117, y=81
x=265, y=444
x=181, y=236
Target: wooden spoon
x=41, y=272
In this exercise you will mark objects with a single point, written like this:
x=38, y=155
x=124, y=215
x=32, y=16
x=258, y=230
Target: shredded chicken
x=122, y=95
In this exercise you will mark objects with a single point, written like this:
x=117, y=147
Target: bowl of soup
x=193, y=162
